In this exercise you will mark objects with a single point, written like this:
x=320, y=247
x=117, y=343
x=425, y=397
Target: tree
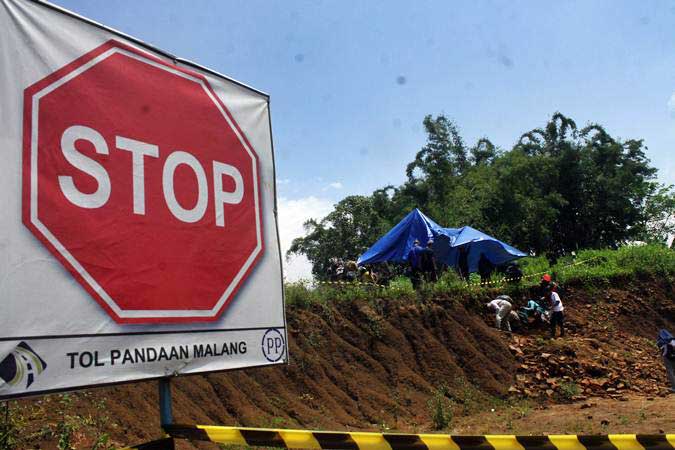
x=617, y=179
x=484, y=152
x=596, y=185
x=525, y=206
x=432, y=174
x=557, y=190
x=659, y=222
x=345, y=233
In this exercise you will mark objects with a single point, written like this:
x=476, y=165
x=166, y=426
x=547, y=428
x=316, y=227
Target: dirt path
x=635, y=415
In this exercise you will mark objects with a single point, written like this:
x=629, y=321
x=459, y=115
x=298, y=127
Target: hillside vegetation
x=398, y=360
x=592, y=267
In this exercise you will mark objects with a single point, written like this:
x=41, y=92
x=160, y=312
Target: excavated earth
x=395, y=365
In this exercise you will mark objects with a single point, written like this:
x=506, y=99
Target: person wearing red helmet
x=545, y=283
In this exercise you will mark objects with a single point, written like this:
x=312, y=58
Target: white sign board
x=138, y=237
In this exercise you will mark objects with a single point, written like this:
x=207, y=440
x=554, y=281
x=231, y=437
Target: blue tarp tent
x=449, y=241
x=396, y=244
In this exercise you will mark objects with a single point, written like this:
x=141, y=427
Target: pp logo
x=273, y=345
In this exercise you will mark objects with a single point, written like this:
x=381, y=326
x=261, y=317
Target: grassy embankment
x=588, y=268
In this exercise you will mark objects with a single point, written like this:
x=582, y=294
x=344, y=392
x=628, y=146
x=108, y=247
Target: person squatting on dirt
x=557, y=310
x=533, y=309
x=666, y=344
x=502, y=307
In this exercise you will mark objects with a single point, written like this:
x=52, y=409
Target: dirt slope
x=376, y=366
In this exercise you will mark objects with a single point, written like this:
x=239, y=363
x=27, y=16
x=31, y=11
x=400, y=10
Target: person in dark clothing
x=332, y=272
x=352, y=271
x=485, y=268
x=384, y=274
x=428, y=263
x=513, y=273
x=414, y=259
x=463, y=263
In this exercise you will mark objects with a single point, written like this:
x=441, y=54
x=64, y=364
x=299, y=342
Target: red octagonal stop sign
x=137, y=178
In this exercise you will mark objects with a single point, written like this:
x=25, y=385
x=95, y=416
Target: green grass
x=588, y=267
x=626, y=261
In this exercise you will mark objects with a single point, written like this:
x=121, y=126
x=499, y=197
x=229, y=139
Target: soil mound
x=383, y=364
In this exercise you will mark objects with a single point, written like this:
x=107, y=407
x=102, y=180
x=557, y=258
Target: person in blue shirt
x=666, y=344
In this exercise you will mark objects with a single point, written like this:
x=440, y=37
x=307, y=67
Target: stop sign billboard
x=120, y=137
x=139, y=232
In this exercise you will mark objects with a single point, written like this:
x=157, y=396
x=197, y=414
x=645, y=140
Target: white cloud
x=292, y=215
x=283, y=181
x=333, y=185
x=671, y=105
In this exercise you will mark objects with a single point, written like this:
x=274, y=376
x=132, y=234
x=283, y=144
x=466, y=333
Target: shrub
x=440, y=408
x=298, y=294
x=569, y=389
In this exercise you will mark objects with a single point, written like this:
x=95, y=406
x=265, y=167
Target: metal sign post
x=165, y=413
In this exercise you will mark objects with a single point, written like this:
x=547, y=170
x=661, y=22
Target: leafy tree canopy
x=559, y=189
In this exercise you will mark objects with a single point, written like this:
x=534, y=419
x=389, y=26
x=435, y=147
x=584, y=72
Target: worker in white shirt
x=557, y=310
x=502, y=307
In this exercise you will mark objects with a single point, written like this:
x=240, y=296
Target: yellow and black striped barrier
x=350, y=283
x=532, y=275
x=356, y=440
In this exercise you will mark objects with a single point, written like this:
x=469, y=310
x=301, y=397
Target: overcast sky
x=350, y=82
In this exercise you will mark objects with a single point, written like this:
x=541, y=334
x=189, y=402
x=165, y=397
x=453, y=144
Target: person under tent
x=415, y=261
x=501, y=306
x=485, y=268
x=428, y=263
x=463, y=263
